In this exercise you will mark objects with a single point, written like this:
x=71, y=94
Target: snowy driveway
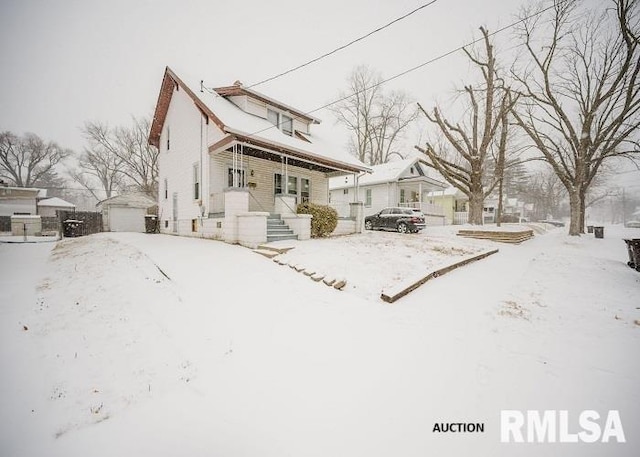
x=234, y=355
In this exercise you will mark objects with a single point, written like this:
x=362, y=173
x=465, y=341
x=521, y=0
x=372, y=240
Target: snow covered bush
x=324, y=221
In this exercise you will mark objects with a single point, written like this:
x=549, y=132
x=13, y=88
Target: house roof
x=133, y=200
x=386, y=172
x=244, y=127
x=238, y=90
x=56, y=202
x=449, y=191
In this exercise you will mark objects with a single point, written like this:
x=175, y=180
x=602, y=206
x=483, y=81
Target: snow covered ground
x=134, y=344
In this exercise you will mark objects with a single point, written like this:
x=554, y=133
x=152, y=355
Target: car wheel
x=368, y=225
x=402, y=227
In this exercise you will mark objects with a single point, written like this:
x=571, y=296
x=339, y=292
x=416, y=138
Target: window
x=196, y=181
x=293, y=185
x=385, y=211
x=239, y=180
x=194, y=225
x=367, y=197
x=166, y=188
x=282, y=121
x=402, y=196
x=345, y=191
x=168, y=138
x=277, y=184
x=305, y=191
x=272, y=116
x=287, y=125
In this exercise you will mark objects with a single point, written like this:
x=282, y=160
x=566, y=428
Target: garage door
x=126, y=219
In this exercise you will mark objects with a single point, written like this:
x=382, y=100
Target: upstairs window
x=282, y=121
x=273, y=116
x=287, y=125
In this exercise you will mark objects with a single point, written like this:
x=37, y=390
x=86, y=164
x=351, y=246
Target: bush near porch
x=324, y=220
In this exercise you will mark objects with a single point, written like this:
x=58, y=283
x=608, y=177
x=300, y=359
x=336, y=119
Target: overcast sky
x=66, y=62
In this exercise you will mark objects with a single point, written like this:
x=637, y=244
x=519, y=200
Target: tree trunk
x=476, y=206
x=575, y=205
x=499, y=213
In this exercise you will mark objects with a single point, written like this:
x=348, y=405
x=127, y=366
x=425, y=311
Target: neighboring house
x=456, y=207
x=48, y=206
x=404, y=183
x=19, y=200
x=454, y=203
x=125, y=213
x=231, y=158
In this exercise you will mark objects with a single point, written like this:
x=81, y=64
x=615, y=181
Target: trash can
x=72, y=228
x=598, y=232
x=633, y=248
x=589, y=228
x=151, y=223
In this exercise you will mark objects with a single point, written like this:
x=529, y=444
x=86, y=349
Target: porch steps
x=277, y=230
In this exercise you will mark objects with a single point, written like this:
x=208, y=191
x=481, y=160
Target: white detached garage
x=125, y=213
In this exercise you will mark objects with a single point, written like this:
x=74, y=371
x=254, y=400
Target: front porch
x=414, y=194
x=254, y=193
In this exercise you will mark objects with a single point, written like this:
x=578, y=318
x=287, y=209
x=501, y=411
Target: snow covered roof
x=383, y=173
x=133, y=200
x=449, y=191
x=248, y=128
x=56, y=202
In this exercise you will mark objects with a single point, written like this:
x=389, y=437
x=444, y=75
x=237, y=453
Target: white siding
x=189, y=137
x=10, y=206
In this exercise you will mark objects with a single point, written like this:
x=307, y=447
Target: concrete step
x=268, y=253
x=281, y=237
x=277, y=249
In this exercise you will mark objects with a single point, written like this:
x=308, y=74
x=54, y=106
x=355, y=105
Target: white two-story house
x=232, y=160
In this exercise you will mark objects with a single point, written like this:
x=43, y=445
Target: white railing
x=460, y=217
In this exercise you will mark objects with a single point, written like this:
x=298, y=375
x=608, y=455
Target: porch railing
x=460, y=217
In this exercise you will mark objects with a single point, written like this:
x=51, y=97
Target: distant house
x=405, y=183
x=125, y=213
x=48, y=206
x=455, y=205
x=19, y=200
x=234, y=163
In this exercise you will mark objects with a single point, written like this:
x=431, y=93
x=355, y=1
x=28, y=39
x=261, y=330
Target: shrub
x=324, y=220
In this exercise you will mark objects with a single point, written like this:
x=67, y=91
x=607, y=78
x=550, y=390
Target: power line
x=417, y=67
x=340, y=48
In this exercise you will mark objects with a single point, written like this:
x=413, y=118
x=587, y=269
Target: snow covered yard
x=133, y=344
x=374, y=260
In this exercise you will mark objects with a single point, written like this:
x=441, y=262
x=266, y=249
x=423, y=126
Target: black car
x=401, y=219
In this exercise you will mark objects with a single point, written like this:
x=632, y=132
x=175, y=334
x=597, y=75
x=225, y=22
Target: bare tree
x=28, y=160
x=99, y=163
x=377, y=121
x=546, y=192
x=139, y=157
x=581, y=92
x=471, y=143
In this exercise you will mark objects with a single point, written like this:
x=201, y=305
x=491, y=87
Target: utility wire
x=340, y=48
x=417, y=67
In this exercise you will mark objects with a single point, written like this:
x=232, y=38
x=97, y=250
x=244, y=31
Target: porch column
x=236, y=201
x=357, y=213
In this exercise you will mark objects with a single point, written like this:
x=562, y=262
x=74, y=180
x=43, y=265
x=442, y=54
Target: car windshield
x=407, y=211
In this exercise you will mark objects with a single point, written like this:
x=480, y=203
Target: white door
x=126, y=219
